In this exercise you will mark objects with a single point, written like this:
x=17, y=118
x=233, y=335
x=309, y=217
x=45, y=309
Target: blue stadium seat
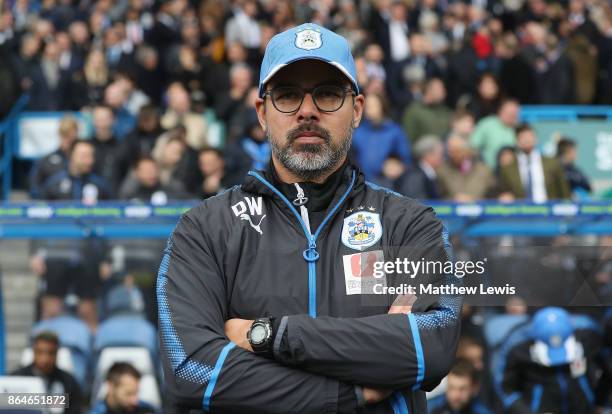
x=127, y=330
x=121, y=299
x=498, y=327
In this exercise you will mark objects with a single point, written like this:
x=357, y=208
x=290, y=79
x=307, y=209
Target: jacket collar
x=253, y=185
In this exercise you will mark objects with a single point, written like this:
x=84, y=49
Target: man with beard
x=123, y=385
x=265, y=291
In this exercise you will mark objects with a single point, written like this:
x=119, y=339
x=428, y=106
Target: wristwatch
x=260, y=336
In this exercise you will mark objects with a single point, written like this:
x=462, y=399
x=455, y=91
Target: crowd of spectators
x=152, y=76
x=444, y=82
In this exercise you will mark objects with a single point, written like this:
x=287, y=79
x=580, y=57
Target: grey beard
x=308, y=162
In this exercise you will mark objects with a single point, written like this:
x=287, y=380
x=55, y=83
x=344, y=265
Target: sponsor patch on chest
x=359, y=272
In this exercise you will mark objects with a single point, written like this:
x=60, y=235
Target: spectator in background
x=90, y=85
x=50, y=90
x=45, y=346
x=487, y=99
x=80, y=272
x=395, y=31
x=405, y=78
x=80, y=37
x=241, y=116
x=26, y=60
x=461, y=396
x=78, y=181
x=212, y=167
x=496, y=131
x=123, y=386
x=142, y=139
x=419, y=180
x=505, y=157
x=374, y=57
x=567, y=153
x=179, y=113
x=69, y=60
x=376, y=138
x=533, y=176
x=464, y=178
x=56, y=161
x=242, y=27
x=516, y=76
x=462, y=124
x=472, y=350
x=555, y=365
x=431, y=116
x=241, y=79
x=251, y=152
x=144, y=186
x=134, y=98
x=168, y=153
x=106, y=146
x=189, y=71
x=583, y=55
x=554, y=74
x=115, y=97
x=150, y=75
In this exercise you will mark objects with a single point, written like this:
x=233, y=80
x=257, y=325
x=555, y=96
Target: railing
x=569, y=113
x=41, y=220
x=7, y=129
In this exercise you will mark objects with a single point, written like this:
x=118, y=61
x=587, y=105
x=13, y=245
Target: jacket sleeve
x=202, y=368
x=394, y=351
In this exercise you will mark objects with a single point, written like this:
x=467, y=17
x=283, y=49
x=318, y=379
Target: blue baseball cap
x=553, y=327
x=307, y=41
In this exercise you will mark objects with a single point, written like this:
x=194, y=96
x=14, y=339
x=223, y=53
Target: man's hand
x=236, y=330
x=402, y=304
x=374, y=395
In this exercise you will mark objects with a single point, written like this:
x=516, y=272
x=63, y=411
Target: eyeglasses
x=327, y=98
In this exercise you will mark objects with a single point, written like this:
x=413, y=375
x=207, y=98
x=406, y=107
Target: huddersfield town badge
x=361, y=230
x=308, y=39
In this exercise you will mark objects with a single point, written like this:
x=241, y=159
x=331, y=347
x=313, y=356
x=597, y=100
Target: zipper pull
x=300, y=200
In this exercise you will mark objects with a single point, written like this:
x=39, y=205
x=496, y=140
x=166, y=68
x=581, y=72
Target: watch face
x=258, y=334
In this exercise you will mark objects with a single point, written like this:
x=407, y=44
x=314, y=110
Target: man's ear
x=260, y=107
x=358, y=106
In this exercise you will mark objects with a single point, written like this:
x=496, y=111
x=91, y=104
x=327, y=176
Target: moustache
x=300, y=130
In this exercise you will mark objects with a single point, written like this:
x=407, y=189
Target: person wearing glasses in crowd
x=266, y=292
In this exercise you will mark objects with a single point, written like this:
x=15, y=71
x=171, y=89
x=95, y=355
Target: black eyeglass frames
x=327, y=98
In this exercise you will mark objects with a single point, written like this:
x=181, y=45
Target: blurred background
x=116, y=116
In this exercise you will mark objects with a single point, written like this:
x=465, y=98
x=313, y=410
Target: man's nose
x=308, y=110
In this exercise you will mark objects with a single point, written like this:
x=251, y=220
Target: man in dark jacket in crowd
x=420, y=180
x=57, y=381
x=123, y=386
x=144, y=185
x=57, y=160
x=552, y=371
x=269, y=297
x=460, y=397
x=567, y=153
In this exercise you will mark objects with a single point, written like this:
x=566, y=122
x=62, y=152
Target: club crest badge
x=308, y=39
x=361, y=230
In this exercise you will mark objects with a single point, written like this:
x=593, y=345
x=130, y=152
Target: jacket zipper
x=311, y=255
x=301, y=201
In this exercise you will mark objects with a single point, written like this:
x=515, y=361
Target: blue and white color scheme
x=307, y=41
x=361, y=230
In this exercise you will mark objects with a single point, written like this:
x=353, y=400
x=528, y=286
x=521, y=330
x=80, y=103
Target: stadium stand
x=164, y=90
